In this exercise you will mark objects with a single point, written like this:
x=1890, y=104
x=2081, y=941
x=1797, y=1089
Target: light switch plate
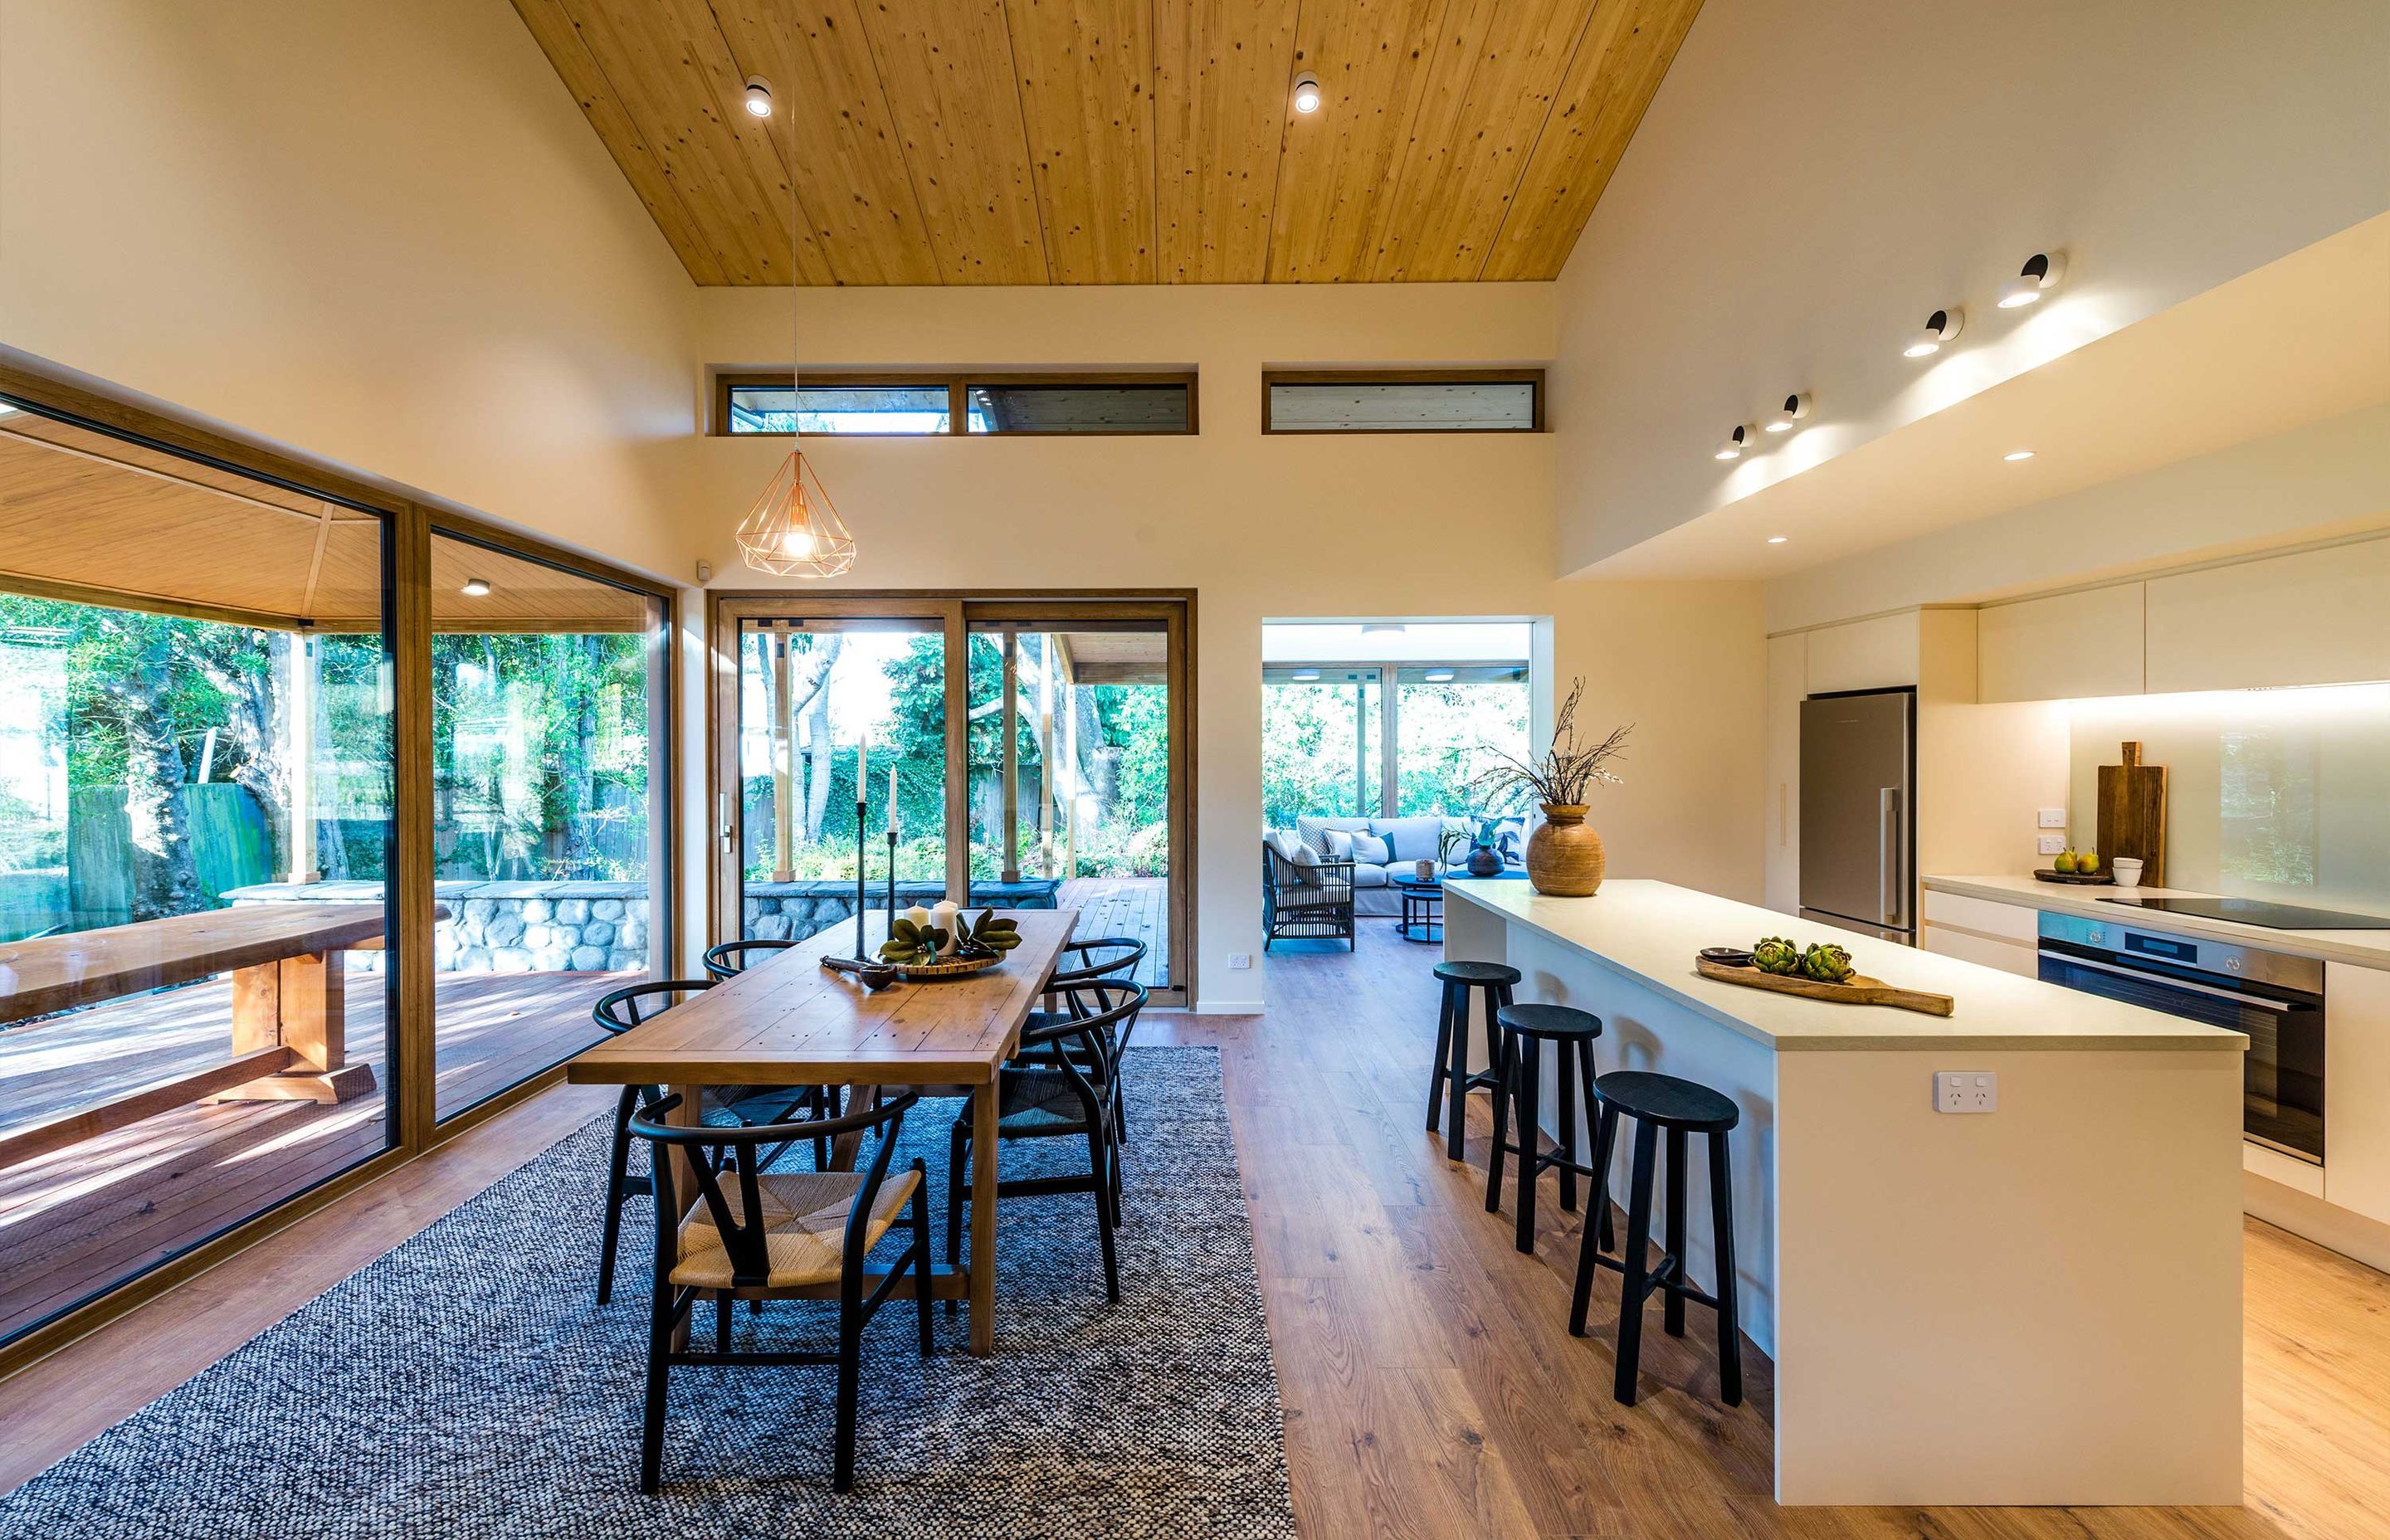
x=2051, y=844
x=1966, y=1091
x=2053, y=817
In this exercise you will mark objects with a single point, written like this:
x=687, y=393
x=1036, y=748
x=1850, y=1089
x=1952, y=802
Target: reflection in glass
x=195, y=820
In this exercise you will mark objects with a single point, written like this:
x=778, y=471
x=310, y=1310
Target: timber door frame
x=957, y=612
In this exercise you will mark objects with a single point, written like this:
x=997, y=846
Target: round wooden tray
x=925, y=972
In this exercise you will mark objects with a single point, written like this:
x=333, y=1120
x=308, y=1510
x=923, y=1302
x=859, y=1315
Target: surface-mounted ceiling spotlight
x=1942, y=326
x=1796, y=407
x=759, y=96
x=1306, y=675
x=1438, y=676
x=1306, y=92
x=1736, y=442
x=2037, y=277
x=475, y=588
x=2018, y=455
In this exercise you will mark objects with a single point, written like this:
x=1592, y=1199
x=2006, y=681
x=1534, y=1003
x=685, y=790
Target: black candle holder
x=862, y=878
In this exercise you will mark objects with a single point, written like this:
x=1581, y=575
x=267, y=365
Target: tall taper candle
x=892, y=801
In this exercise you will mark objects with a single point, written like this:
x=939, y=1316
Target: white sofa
x=1409, y=840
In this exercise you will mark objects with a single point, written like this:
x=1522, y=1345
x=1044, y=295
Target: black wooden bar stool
x=1524, y=1030
x=1452, y=1077
x=1682, y=1107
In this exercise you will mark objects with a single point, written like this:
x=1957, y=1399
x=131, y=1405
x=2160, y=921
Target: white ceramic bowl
x=2127, y=870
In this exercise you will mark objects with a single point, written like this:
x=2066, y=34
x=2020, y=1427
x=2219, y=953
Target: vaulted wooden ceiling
x=1115, y=141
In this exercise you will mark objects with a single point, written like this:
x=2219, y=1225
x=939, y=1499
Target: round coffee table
x=1422, y=918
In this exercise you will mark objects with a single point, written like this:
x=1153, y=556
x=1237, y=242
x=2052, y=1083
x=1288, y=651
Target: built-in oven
x=2276, y=999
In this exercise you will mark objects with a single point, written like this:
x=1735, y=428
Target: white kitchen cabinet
x=2314, y=618
x=1788, y=680
x=1864, y=655
x=2357, y=1089
x=2007, y=955
x=2062, y=648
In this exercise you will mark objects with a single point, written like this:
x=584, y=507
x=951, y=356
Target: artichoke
x=909, y=944
x=1826, y=963
x=1775, y=954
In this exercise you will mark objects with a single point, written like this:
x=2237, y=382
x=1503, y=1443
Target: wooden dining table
x=788, y=1020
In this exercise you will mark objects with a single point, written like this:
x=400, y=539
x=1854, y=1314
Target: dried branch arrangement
x=1562, y=773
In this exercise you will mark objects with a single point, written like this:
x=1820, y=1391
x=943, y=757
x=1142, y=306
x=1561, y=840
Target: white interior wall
x=1812, y=181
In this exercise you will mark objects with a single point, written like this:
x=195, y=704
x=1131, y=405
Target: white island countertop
x=1651, y=931
x=2362, y=948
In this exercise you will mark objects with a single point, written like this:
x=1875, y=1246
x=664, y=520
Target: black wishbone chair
x=1064, y=1083
x=617, y=1013
x=751, y=1104
x=1105, y=958
x=775, y=1235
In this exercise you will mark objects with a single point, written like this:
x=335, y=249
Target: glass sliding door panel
x=195, y=757
x=1089, y=773
x=815, y=698
x=549, y=742
x=1453, y=723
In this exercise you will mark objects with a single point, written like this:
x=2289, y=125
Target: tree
x=139, y=691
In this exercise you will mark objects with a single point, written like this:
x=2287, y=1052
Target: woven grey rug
x=463, y=1385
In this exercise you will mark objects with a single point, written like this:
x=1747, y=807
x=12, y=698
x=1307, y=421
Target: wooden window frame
x=958, y=384
x=1399, y=376
x=410, y=517
x=957, y=613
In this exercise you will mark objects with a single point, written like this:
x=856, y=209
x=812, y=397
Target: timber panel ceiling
x=1115, y=141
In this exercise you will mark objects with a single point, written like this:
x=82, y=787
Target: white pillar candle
x=919, y=915
x=946, y=915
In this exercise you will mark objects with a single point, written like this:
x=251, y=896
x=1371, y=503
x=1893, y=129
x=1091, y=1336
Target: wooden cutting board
x=1857, y=990
x=2132, y=815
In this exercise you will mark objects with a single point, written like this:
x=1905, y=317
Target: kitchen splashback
x=2281, y=794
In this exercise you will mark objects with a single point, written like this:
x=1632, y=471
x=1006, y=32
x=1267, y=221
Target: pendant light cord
x=789, y=166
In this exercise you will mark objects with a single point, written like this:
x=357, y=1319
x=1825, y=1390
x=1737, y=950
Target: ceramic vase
x=1484, y=860
x=1564, y=854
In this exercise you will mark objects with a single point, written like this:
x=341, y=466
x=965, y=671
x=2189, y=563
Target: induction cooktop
x=2255, y=911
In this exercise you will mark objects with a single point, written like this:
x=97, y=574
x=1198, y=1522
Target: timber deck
x=77, y=1220
x=1134, y=907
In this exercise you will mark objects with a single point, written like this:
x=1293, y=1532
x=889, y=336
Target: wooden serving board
x=1859, y=990
x=2132, y=815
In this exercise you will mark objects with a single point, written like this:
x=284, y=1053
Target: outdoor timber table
x=790, y=1022
x=289, y=1033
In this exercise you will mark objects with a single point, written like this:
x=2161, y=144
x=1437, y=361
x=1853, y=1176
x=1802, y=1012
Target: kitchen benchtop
x=1649, y=931
x=2364, y=948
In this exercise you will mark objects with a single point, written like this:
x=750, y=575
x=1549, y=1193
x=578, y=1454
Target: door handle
x=1887, y=854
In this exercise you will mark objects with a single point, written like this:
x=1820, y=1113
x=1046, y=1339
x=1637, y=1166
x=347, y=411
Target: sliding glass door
x=1037, y=751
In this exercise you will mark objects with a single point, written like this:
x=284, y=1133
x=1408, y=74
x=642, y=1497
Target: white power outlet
x=1241, y=959
x=2051, y=844
x=1966, y=1091
x=2053, y=817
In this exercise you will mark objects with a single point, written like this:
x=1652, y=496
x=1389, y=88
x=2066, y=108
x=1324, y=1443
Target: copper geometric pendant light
x=793, y=530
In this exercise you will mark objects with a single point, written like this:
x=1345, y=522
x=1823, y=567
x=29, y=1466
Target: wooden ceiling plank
x=1618, y=68
x=619, y=131
x=1372, y=59
x=1222, y=73
x=830, y=129
x=1498, y=67
x=946, y=69
x=676, y=73
x=1086, y=70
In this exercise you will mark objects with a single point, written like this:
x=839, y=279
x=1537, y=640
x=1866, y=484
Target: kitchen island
x=2041, y=1305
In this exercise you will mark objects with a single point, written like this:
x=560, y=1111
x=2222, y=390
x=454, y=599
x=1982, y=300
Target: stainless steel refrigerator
x=1858, y=767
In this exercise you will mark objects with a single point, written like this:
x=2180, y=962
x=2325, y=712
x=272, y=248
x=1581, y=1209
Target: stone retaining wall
x=505, y=926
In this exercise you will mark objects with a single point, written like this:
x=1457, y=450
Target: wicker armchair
x=1312, y=901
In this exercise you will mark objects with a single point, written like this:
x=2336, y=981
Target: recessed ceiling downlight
x=2018, y=455
x=1306, y=92
x=1778, y=539
x=759, y=96
x=1305, y=675
x=1438, y=676
x=475, y=588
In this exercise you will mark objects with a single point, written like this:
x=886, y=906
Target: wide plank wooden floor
x=1430, y=1384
